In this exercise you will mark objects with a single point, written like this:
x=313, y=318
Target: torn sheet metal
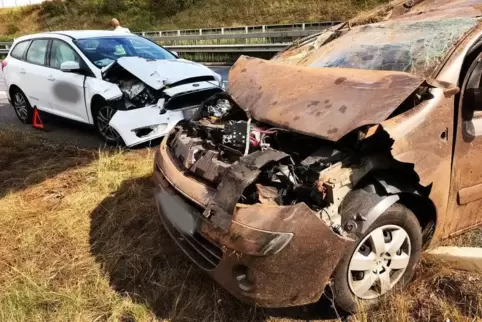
x=108, y=91
x=271, y=241
x=325, y=102
x=280, y=278
x=159, y=73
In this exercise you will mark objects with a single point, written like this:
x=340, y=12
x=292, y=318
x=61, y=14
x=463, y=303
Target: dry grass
x=202, y=14
x=81, y=241
x=436, y=294
x=217, y=13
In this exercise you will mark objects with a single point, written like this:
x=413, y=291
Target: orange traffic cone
x=37, y=121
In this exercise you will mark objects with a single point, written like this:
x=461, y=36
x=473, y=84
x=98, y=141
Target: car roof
x=76, y=34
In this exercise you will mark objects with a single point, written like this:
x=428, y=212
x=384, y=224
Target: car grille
x=201, y=251
x=190, y=99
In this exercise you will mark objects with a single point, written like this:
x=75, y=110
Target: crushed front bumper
x=269, y=256
x=146, y=124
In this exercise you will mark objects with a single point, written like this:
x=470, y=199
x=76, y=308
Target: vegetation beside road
x=141, y=15
x=81, y=241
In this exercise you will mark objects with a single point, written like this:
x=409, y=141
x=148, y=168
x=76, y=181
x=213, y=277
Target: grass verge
x=144, y=15
x=81, y=241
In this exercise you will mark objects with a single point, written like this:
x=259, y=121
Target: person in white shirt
x=117, y=27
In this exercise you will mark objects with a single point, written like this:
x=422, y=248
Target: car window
x=416, y=47
x=60, y=53
x=36, y=52
x=19, y=49
x=105, y=50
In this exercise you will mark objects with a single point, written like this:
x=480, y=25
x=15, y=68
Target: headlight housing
x=219, y=79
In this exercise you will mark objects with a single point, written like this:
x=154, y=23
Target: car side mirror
x=70, y=67
x=175, y=53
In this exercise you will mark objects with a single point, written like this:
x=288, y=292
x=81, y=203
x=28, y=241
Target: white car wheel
x=379, y=262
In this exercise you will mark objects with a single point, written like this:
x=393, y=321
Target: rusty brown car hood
x=323, y=102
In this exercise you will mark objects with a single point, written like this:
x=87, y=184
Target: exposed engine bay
x=310, y=170
x=136, y=93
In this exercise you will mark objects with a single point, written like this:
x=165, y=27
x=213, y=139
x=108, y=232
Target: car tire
x=102, y=117
x=365, y=264
x=22, y=107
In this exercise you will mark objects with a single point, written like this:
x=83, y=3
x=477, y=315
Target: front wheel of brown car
x=383, y=259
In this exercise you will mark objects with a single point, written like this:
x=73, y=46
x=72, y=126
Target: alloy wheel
x=379, y=262
x=20, y=106
x=104, y=116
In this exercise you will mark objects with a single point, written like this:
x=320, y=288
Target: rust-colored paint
x=248, y=241
x=444, y=5
x=470, y=194
x=244, y=239
x=424, y=137
x=329, y=103
x=190, y=188
x=267, y=195
x=314, y=101
x=298, y=274
x=466, y=172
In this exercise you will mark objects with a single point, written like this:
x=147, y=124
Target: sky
x=16, y=3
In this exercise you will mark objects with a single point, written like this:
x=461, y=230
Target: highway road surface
x=59, y=130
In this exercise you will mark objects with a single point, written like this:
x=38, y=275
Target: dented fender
x=423, y=138
x=299, y=273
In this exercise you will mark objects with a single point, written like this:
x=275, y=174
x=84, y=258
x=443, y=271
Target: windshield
x=417, y=47
x=103, y=51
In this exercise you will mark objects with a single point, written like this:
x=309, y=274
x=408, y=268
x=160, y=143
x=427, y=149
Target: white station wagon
x=130, y=88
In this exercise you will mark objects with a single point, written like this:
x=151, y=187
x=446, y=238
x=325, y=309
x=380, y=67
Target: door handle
x=51, y=78
x=23, y=71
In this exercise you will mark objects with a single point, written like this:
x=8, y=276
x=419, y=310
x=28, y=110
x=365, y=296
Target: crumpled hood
x=323, y=102
x=159, y=73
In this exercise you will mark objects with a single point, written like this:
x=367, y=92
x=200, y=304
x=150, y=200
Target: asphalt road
x=59, y=130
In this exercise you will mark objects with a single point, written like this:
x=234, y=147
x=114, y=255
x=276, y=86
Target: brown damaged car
x=335, y=163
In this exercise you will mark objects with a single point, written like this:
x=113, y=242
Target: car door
x=465, y=201
x=35, y=71
x=15, y=69
x=65, y=89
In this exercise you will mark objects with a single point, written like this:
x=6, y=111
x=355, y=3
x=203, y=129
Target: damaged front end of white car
x=152, y=96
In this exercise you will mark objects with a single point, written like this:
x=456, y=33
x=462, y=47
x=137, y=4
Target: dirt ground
x=81, y=241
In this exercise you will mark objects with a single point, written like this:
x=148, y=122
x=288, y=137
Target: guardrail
x=268, y=34
x=272, y=48
x=306, y=26
x=266, y=48
x=5, y=47
x=278, y=33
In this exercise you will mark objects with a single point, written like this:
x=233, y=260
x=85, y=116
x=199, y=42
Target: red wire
x=264, y=131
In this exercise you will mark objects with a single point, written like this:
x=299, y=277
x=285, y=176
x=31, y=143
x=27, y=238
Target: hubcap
x=379, y=262
x=20, y=105
x=104, y=116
